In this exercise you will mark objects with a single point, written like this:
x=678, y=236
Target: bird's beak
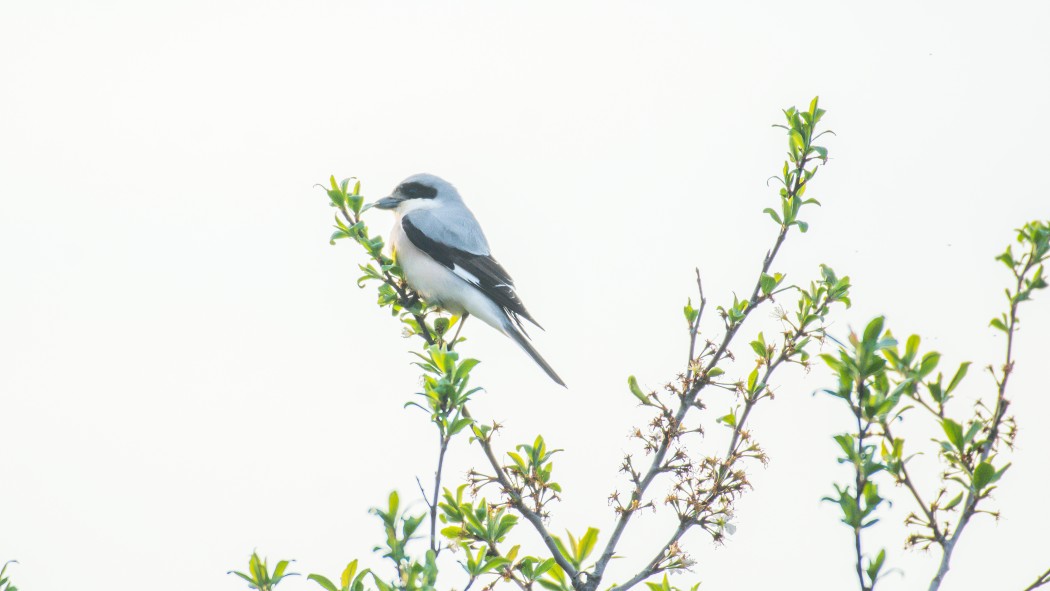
x=387, y=203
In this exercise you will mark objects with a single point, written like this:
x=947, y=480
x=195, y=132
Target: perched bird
x=440, y=247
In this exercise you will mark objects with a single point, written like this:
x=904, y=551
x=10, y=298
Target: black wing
x=481, y=271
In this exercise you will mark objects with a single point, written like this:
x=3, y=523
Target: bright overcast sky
x=189, y=371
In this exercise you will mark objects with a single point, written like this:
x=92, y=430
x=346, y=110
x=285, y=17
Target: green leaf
x=929, y=363
x=337, y=235
x=767, y=283
x=982, y=476
x=972, y=431
x=911, y=348
x=873, y=330
x=441, y=326
x=954, y=432
x=324, y=582
x=464, y=369
x=351, y=568
x=759, y=349
x=691, y=313
x=952, y=503
x=632, y=383
x=250, y=580
x=587, y=543
x=355, y=201
x=459, y=425
x=875, y=566
x=393, y=501
x=278, y=571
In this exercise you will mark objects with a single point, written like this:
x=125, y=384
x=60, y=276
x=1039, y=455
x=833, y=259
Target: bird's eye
x=417, y=191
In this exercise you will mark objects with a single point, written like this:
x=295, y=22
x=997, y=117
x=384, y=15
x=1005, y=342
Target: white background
x=188, y=371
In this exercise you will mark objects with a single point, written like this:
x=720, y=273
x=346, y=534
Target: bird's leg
x=462, y=321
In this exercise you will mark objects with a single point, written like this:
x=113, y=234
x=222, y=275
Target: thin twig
x=402, y=295
x=860, y=483
x=444, y=439
x=687, y=402
x=970, y=506
x=462, y=321
x=694, y=330
x=508, y=571
x=519, y=504
x=910, y=485
x=653, y=566
x=1044, y=579
x=732, y=452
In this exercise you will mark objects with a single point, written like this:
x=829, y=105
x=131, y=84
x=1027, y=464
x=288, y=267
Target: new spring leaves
x=701, y=487
x=880, y=383
x=673, y=465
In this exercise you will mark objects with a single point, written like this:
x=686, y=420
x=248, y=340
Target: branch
x=910, y=485
x=654, y=565
x=1044, y=579
x=694, y=330
x=444, y=439
x=404, y=296
x=516, y=501
x=861, y=482
x=970, y=506
x=689, y=398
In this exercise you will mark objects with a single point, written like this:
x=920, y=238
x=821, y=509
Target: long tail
x=523, y=341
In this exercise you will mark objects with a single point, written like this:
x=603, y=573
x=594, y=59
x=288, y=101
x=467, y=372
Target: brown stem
x=519, y=504
x=910, y=485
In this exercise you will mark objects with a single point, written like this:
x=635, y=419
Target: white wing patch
x=466, y=275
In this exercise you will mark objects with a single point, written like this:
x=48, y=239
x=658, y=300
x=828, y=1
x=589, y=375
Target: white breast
x=439, y=285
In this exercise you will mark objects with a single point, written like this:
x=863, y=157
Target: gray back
x=450, y=223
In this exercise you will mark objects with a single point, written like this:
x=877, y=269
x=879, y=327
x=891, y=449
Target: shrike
x=443, y=252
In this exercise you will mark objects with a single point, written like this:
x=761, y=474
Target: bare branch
x=694, y=330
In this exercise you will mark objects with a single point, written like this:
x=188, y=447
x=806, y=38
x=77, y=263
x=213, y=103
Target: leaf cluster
x=880, y=383
x=5, y=579
x=259, y=575
x=446, y=391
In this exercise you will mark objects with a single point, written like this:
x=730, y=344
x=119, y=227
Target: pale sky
x=189, y=371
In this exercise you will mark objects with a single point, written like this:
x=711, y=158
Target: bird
x=443, y=253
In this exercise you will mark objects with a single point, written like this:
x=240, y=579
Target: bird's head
x=420, y=191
